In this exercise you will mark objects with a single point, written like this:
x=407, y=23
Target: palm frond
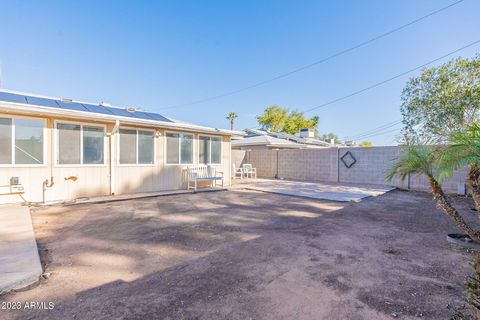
x=414, y=159
x=463, y=150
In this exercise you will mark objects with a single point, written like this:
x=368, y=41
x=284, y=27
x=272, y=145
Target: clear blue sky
x=173, y=52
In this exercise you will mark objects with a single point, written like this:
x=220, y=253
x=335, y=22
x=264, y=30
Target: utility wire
x=380, y=133
x=376, y=133
x=335, y=55
x=379, y=127
x=382, y=128
x=390, y=79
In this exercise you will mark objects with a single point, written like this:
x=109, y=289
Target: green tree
x=422, y=159
x=463, y=150
x=366, y=144
x=296, y=120
x=327, y=137
x=232, y=116
x=273, y=118
x=442, y=100
x=278, y=119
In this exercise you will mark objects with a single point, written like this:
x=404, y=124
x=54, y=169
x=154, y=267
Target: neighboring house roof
x=25, y=102
x=265, y=140
x=288, y=137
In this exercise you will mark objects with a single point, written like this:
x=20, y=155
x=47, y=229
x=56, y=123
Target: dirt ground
x=247, y=255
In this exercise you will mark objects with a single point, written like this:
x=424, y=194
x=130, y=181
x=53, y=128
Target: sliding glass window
x=137, y=147
x=80, y=144
x=210, y=150
x=21, y=141
x=179, y=148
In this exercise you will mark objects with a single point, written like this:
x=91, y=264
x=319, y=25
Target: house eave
x=46, y=111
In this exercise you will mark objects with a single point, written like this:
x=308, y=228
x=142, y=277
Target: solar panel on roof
x=11, y=97
x=157, y=117
x=42, y=102
x=97, y=109
x=122, y=112
x=71, y=105
x=143, y=115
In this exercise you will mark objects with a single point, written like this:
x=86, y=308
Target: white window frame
x=136, y=164
x=13, y=165
x=210, y=139
x=179, y=163
x=81, y=164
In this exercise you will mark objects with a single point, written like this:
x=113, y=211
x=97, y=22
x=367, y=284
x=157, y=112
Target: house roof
x=265, y=140
x=288, y=137
x=26, y=102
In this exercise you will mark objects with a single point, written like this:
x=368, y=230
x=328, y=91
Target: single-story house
x=55, y=149
x=255, y=139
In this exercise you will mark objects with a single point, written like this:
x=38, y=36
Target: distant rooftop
x=287, y=137
x=265, y=140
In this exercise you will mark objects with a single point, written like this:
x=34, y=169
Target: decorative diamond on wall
x=348, y=159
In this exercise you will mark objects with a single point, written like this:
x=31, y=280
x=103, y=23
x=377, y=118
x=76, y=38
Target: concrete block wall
x=371, y=167
x=238, y=157
x=308, y=164
x=265, y=161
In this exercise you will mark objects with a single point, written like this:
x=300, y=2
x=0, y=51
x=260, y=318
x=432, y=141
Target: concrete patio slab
x=19, y=260
x=315, y=190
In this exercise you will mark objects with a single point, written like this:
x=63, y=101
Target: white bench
x=202, y=173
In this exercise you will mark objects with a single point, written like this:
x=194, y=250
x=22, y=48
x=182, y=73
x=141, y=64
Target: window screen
x=216, y=150
x=145, y=147
x=68, y=143
x=187, y=148
x=210, y=150
x=128, y=146
x=204, y=150
x=93, y=139
x=173, y=154
x=28, y=141
x=5, y=141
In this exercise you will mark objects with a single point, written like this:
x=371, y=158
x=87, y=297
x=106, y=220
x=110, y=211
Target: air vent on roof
x=105, y=104
x=66, y=100
x=131, y=109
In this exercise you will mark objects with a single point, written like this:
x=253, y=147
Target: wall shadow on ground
x=247, y=254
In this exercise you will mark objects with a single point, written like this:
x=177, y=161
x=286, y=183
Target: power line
x=390, y=79
x=335, y=55
x=377, y=130
x=384, y=126
x=380, y=133
x=374, y=133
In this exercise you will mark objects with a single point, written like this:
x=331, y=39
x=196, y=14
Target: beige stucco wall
x=95, y=180
x=163, y=176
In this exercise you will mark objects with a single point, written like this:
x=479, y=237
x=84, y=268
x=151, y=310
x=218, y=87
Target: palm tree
x=463, y=150
x=422, y=159
x=232, y=116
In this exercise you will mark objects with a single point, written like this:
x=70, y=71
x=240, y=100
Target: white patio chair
x=249, y=171
x=237, y=171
